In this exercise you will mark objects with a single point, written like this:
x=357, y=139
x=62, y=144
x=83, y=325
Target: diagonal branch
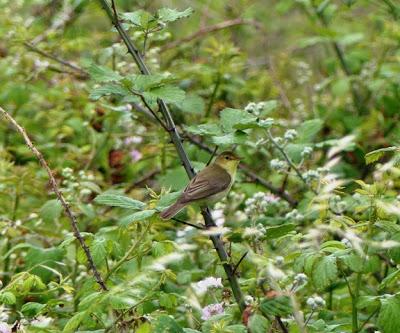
x=177, y=141
x=60, y=197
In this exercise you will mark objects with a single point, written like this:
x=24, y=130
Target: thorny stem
x=177, y=141
x=60, y=197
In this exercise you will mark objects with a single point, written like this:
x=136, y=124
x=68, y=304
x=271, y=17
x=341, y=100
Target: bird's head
x=228, y=160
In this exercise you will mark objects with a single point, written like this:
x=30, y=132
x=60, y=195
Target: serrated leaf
x=389, y=319
x=32, y=309
x=103, y=74
x=166, y=323
x=277, y=306
x=324, y=272
x=98, y=250
x=204, y=129
x=375, y=155
x=308, y=130
x=51, y=211
x=74, y=322
x=7, y=297
x=238, y=137
x=232, y=119
x=168, y=93
x=390, y=280
x=279, y=231
x=192, y=104
x=138, y=216
x=107, y=90
x=258, y=324
x=117, y=200
x=134, y=17
x=171, y=15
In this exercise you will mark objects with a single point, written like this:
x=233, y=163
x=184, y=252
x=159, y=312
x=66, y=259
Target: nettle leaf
x=308, y=130
x=204, y=129
x=143, y=82
x=229, y=139
x=390, y=280
x=389, y=319
x=75, y=321
x=192, y=103
x=324, y=272
x=168, y=93
x=232, y=119
x=135, y=17
x=138, y=216
x=375, y=155
x=171, y=15
x=99, y=250
x=107, y=90
x=258, y=324
x=279, y=231
x=51, y=210
x=277, y=306
x=7, y=297
x=117, y=200
x=32, y=309
x=165, y=323
x=103, y=74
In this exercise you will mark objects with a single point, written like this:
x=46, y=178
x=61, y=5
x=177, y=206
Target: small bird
x=209, y=186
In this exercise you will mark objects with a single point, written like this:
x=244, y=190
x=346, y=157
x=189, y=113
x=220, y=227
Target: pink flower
x=132, y=140
x=4, y=328
x=136, y=155
x=212, y=310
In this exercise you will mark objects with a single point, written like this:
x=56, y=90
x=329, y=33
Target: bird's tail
x=172, y=210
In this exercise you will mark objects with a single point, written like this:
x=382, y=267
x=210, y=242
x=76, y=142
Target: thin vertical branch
x=60, y=197
x=177, y=141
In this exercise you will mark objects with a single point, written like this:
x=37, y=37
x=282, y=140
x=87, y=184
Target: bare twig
x=60, y=197
x=239, y=262
x=177, y=141
x=212, y=155
x=187, y=223
x=248, y=172
x=209, y=29
x=82, y=73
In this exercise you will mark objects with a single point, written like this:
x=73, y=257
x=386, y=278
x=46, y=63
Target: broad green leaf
x=107, y=90
x=375, y=155
x=51, y=211
x=324, y=272
x=354, y=262
x=235, y=118
x=279, y=231
x=103, y=74
x=74, y=322
x=46, y=256
x=277, y=306
x=98, y=250
x=134, y=17
x=192, y=104
x=204, y=129
x=238, y=137
x=308, y=130
x=165, y=323
x=117, y=200
x=258, y=324
x=390, y=280
x=171, y=15
x=7, y=297
x=167, y=200
x=394, y=252
x=168, y=301
x=341, y=87
x=138, y=216
x=389, y=319
x=168, y=93
x=32, y=309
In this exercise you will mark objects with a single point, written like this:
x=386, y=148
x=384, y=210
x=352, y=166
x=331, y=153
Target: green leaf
x=277, y=306
x=204, y=129
x=138, y=216
x=171, y=15
x=238, y=137
x=51, y=211
x=279, y=231
x=354, y=262
x=108, y=89
x=389, y=280
x=7, y=297
x=74, y=322
x=168, y=93
x=375, y=155
x=32, y=309
x=232, y=119
x=324, y=272
x=308, y=130
x=103, y=74
x=192, y=104
x=258, y=324
x=394, y=252
x=168, y=301
x=99, y=250
x=117, y=200
x=48, y=257
x=389, y=319
x=165, y=324
x=135, y=17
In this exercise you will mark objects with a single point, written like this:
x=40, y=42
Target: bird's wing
x=211, y=180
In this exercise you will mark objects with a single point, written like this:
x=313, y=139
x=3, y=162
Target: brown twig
x=60, y=197
x=82, y=73
x=209, y=29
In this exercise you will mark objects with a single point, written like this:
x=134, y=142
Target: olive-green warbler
x=209, y=186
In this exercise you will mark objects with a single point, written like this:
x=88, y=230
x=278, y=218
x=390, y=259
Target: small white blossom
x=307, y=151
x=4, y=328
x=277, y=164
x=210, y=282
x=290, y=134
x=212, y=310
x=300, y=278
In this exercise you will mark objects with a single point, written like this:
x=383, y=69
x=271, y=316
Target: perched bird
x=209, y=186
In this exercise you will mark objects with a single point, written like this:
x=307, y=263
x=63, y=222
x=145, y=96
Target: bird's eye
x=227, y=157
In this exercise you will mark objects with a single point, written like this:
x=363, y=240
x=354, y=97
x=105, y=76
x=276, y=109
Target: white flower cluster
x=212, y=310
x=266, y=122
x=290, y=135
x=208, y=283
x=294, y=215
x=260, y=202
x=337, y=205
x=72, y=184
x=255, y=233
x=255, y=108
x=304, y=72
x=311, y=175
x=218, y=217
x=315, y=302
x=307, y=151
x=278, y=165
x=300, y=279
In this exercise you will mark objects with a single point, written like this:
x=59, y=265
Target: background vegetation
x=306, y=91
